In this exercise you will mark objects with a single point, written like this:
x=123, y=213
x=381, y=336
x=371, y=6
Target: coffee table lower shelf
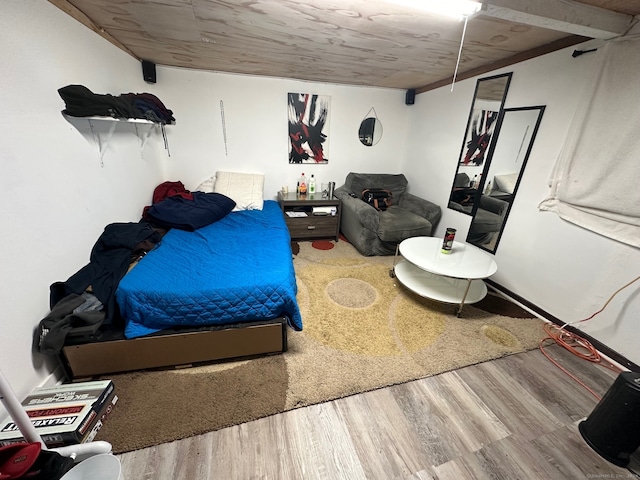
x=438, y=287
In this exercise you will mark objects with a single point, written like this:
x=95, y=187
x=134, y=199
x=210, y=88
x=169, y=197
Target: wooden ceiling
x=355, y=42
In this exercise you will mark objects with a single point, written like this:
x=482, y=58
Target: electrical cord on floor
x=577, y=345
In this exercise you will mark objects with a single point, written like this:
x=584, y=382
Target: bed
x=226, y=290
x=237, y=269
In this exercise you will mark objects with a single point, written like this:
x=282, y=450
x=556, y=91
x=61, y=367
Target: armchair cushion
x=485, y=222
x=492, y=204
x=397, y=224
x=420, y=206
x=488, y=219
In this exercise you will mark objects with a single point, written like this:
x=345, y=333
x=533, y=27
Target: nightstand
x=310, y=216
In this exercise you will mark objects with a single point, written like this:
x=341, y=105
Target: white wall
x=57, y=198
x=510, y=152
x=565, y=270
x=255, y=111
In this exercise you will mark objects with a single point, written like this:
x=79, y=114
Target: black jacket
x=108, y=263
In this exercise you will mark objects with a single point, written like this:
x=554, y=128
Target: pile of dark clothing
x=176, y=207
x=82, y=102
x=87, y=300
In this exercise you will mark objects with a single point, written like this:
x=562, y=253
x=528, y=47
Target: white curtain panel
x=596, y=181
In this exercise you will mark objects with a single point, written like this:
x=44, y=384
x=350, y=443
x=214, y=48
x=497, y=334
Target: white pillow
x=506, y=183
x=206, y=185
x=246, y=189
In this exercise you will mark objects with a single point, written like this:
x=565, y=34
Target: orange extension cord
x=578, y=345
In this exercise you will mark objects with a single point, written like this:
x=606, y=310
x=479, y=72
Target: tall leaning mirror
x=482, y=126
x=509, y=155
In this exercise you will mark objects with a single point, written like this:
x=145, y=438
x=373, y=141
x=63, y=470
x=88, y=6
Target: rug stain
x=499, y=335
x=344, y=262
x=351, y=293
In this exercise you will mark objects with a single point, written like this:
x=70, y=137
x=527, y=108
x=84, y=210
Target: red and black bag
x=379, y=198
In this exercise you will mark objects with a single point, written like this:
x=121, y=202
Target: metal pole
x=17, y=413
x=392, y=272
x=464, y=297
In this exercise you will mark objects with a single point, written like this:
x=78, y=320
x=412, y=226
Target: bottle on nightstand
x=312, y=184
x=303, y=185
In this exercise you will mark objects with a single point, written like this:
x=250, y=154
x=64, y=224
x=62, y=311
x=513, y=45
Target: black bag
x=379, y=198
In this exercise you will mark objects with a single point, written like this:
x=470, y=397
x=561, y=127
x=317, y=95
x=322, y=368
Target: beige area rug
x=362, y=331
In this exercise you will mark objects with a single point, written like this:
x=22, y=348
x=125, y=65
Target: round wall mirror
x=370, y=131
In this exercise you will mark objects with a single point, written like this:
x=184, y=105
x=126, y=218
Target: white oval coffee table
x=455, y=277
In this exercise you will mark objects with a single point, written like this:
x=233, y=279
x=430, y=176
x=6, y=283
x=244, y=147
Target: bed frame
x=174, y=348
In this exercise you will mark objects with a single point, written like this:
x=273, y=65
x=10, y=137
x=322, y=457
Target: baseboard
x=601, y=347
x=54, y=378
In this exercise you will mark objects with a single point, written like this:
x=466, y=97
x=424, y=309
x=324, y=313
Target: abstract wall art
x=308, y=128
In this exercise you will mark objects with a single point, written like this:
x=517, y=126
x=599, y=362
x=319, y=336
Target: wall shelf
x=143, y=129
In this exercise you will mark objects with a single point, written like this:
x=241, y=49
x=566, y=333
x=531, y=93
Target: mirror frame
x=370, y=129
x=525, y=159
x=487, y=159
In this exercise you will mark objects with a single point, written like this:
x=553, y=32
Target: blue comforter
x=237, y=269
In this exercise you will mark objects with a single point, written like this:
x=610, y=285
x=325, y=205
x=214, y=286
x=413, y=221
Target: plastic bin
x=104, y=466
x=613, y=428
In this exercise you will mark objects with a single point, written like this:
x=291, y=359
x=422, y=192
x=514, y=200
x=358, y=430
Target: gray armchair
x=488, y=220
x=489, y=215
x=377, y=233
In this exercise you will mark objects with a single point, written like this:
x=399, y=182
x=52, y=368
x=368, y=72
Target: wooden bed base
x=174, y=349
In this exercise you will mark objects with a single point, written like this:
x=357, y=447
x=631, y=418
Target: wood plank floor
x=511, y=418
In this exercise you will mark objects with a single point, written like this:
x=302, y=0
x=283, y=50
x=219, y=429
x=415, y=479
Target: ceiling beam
x=561, y=15
x=518, y=57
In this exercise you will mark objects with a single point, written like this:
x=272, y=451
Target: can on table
x=447, y=244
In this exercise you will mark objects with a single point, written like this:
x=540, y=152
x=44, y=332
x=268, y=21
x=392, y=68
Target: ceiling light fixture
x=459, y=9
